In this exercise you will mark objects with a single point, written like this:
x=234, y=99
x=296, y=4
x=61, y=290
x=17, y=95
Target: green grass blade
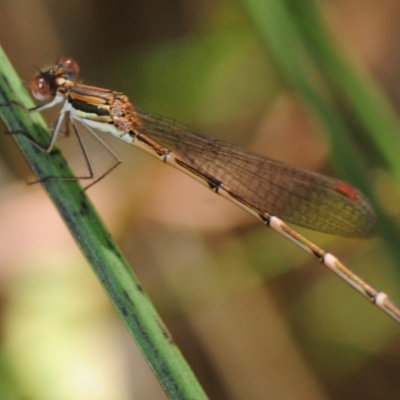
x=309, y=65
x=366, y=100
x=116, y=276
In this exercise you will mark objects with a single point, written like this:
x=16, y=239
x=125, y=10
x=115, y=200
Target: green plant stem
x=308, y=63
x=113, y=271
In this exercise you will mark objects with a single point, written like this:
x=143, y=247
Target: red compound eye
x=40, y=88
x=69, y=67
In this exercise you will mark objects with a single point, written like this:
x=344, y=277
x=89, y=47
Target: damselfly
x=261, y=186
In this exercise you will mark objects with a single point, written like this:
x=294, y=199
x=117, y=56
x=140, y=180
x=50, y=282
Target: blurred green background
x=255, y=317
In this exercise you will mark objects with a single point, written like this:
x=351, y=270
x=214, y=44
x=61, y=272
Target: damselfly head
x=58, y=77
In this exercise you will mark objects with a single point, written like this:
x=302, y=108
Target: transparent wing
x=296, y=195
